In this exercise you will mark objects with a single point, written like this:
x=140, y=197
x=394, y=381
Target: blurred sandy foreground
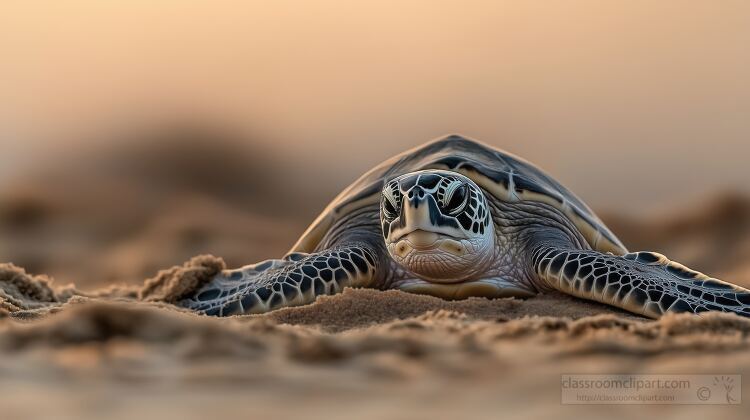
x=101, y=352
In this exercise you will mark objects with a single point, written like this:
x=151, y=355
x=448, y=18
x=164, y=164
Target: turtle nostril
x=416, y=193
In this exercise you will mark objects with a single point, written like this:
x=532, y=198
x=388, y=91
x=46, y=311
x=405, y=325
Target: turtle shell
x=501, y=174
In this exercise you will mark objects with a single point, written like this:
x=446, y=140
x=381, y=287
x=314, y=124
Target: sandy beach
x=87, y=330
x=363, y=354
x=122, y=351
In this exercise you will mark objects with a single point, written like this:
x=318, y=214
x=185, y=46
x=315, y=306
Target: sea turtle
x=456, y=218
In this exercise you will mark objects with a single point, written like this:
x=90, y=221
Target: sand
x=128, y=353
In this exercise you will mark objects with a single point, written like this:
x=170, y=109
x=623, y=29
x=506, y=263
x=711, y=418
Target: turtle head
x=437, y=225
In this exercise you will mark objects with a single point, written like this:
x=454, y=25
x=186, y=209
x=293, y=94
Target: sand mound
x=158, y=198
x=177, y=283
x=358, y=308
x=426, y=331
x=21, y=291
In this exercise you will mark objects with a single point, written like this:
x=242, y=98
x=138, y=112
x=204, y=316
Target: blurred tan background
x=137, y=134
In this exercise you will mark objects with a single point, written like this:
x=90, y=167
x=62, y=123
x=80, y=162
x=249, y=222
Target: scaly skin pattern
x=646, y=283
x=490, y=225
x=296, y=280
x=437, y=224
x=515, y=227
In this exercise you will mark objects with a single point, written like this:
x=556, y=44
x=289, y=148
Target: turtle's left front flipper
x=297, y=279
x=646, y=283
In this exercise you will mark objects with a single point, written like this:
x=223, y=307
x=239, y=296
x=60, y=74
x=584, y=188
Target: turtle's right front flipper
x=646, y=283
x=296, y=280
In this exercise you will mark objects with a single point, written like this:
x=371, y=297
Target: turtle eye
x=389, y=210
x=456, y=200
